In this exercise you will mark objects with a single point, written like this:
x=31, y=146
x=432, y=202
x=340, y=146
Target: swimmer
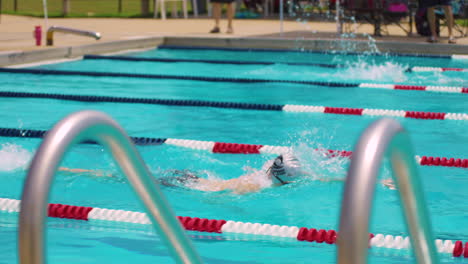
x=280, y=171
x=277, y=172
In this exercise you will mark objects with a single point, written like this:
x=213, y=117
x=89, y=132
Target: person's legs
x=216, y=16
x=449, y=16
x=230, y=15
x=432, y=22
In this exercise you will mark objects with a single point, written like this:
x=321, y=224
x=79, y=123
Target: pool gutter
x=320, y=45
x=73, y=52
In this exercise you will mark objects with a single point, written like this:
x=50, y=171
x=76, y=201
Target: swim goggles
x=277, y=169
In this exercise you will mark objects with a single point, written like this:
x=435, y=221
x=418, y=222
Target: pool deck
x=16, y=37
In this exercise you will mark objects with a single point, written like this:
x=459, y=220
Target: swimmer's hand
x=389, y=184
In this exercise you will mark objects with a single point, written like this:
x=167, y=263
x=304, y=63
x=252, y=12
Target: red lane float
x=343, y=110
x=453, y=69
x=446, y=162
x=68, y=211
x=457, y=249
x=336, y=153
x=435, y=69
x=318, y=236
x=410, y=87
x=374, y=112
x=425, y=88
x=465, y=250
x=425, y=115
x=235, y=148
x=201, y=224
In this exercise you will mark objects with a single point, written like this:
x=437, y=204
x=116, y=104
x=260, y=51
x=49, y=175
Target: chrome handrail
x=98, y=127
x=353, y=238
x=52, y=29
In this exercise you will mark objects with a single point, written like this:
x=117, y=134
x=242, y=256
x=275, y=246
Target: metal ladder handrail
x=52, y=29
x=353, y=239
x=95, y=126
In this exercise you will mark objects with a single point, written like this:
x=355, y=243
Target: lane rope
x=303, y=234
x=170, y=77
x=170, y=60
x=454, y=56
x=440, y=89
x=236, y=148
x=321, y=65
x=245, y=106
x=435, y=69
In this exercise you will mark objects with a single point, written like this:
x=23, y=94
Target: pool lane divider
x=235, y=148
x=170, y=60
x=245, y=106
x=170, y=77
x=321, y=65
x=327, y=52
x=303, y=234
x=435, y=69
x=440, y=89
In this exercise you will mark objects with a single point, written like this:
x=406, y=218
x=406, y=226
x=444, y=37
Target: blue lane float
x=263, y=63
x=32, y=133
x=170, y=77
x=166, y=60
x=176, y=47
x=173, y=102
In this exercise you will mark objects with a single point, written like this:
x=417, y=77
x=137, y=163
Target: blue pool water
x=309, y=202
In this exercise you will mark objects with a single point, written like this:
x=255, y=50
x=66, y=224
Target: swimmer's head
x=284, y=166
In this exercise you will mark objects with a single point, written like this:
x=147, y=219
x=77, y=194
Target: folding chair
x=160, y=4
x=379, y=13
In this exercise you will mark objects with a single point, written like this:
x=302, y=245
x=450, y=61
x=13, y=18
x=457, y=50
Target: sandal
x=432, y=40
x=215, y=30
x=452, y=40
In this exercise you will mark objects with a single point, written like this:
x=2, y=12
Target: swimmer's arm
x=246, y=188
x=386, y=182
x=237, y=185
x=74, y=170
x=92, y=172
x=332, y=179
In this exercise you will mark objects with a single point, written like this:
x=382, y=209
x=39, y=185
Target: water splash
x=311, y=147
x=346, y=42
x=13, y=157
x=318, y=164
x=370, y=71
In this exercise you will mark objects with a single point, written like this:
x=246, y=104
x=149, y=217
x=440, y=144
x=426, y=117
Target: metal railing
x=98, y=127
x=52, y=29
x=353, y=240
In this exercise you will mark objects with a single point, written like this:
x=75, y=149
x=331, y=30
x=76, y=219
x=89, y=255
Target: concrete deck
x=16, y=35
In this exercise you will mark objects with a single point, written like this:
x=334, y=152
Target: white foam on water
x=13, y=157
x=311, y=148
x=375, y=72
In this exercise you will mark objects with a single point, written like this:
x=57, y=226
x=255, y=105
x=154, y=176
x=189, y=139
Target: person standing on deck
x=431, y=17
x=217, y=10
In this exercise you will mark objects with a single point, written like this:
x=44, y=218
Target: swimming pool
x=306, y=203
